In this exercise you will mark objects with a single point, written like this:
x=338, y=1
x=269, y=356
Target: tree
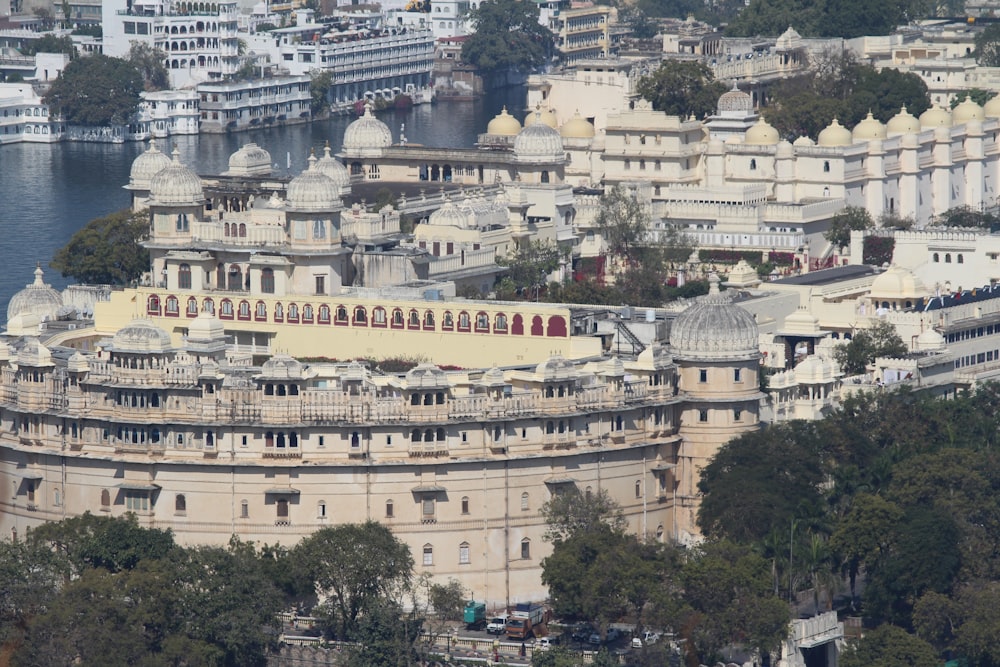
x=852, y=218
x=966, y=216
x=96, y=91
x=889, y=646
x=570, y=513
x=528, y=268
x=50, y=43
x=508, y=37
x=987, y=51
x=148, y=60
x=682, y=88
x=861, y=538
x=30, y=578
x=357, y=566
x=320, y=82
x=851, y=18
x=447, y=600
x=107, y=251
x=879, y=340
x=623, y=223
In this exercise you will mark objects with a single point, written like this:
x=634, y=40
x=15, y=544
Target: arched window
x=388, y=509
x=192, y=307
x=105, y=499
x=428, y=555
x=184, y=276
x=321, y=509
x=463, y=553
x=524, y=502
x=415, y=434
x=282, y=509
x=360, y=315
x=429, y=320
x=937, y=257
x=525, y=549
x=180, y=504
x=324, y=313
x=439, y=435
x=267, y=281
x=397, y=317
x=826, y=166
x=260, y=312
x=153, y=305
x=960, y=259
x=244, y=509
x=753, y=164
x=465, y=504
x=414, y=320
x=947, y=258
x=638, y=489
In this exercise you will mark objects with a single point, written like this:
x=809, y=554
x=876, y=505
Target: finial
x=713, y=283
x=176, y=153
x=38, y=274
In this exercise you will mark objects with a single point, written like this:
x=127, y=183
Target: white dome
x=834, y=134
x=735, y=101
x=539, y=143
x=966, y=111
x=367, y=134
x=33, y=353
x=250, y=160
x=141, y=336
x=803, y=141
x=935, y=117
x=36, y=299
x=556, y=368
x=929, y=341
x=902, y=123
x=427, y=376
x=869, y=129
x=149, y=163
x=282, y=367
x=313, y=191
x=206, y=327
x=448, y=215
x=176, y=185
x=335, y=171
x=714, y=329
x=898, y=283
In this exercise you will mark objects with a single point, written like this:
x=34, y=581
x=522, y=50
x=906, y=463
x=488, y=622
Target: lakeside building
x=239, y=105
x=25, y=118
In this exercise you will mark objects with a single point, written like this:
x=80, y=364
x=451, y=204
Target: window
x=638, y=489
x=525, y=549
x=180, y=504
x=703, y=415
x=321, y=510
x=463, y=553
x=244, y=509
x=753, y=164
x=136, y=501
x=319, y=230
x=267, y=281
x=428, y=555
x=388, y=509
x=826, y=166
x=961, y=259
x=524, y=501
x=184, y=276
x=737, y=415
x=703, y=375
x=737, y=375
x=182, y=222
x=105, y=500
x=937, y=257
x=281, y=509
x=465, y=504
x=427, y=508
x=320, y=284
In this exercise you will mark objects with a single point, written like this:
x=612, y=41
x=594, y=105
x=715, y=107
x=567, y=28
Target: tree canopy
x=844, y=18
x=879, y=340
x=107, y=251
x=682, y=88
x=987, y=51
x=96, y=91
x=508, y=37
x=148, y=60
x=852, y=218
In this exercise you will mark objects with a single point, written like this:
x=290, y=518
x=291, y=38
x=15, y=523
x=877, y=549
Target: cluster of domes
x=714, y=329
x=367, y=134
x=334, y=170
x=176, y=185
x=898, y=283
x=149, y=163
x=313, y=190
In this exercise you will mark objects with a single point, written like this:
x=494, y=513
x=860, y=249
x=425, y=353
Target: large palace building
x=211, y=401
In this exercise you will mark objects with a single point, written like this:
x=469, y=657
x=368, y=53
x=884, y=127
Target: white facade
x=166, y=113
x=25, y=118
x=239, y=105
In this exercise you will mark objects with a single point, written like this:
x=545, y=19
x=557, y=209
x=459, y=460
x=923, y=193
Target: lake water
x=48, y=192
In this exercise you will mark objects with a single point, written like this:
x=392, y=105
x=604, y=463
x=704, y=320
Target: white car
x=648, y=637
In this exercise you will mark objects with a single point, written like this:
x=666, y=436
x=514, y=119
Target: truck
x=497, y=624
x=474, y=615
x=528, y=620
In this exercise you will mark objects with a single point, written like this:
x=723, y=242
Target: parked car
x=613, y=635
x=582, y=632
x=648, y=638
x=545, y=643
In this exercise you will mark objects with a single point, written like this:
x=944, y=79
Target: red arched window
x=324, y=314
x=153, y=305
x=517, y=325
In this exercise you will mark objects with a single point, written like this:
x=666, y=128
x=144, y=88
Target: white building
x=238, y=105
x=24, y=117
x=166, y=113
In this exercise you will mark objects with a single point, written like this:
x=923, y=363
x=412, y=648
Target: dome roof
x=992, y=107
x=334, y=170
x=897, y=283
x=556, y=368
x=869, y=129
x=803, y=141
x=250, y=160
x=504, y=124
x=77, y=363
x=282, y=367
x=929, y=341
x=539, y=143
x=313, y=191
x=714, y=329
x=141, y=336
x=176, y=185
x=935, y=117
x=367, y=133
x=966, y=111
x=206, y=327
x=36, y=299
x=449, y=215
x=427, y=376
x=546, y=116
x=902, y=123
x=33, y=353
x=761, y=134
x=834, y=134
x=577, y=127
x=800, y=322
x=735, y=101
x=149, y=163
x=814, y=369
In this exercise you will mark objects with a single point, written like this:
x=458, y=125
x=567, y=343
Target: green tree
x=987, y=51
x=148, y=60
x=852, y=218
x=682, y=88
x=528, y=268
x=861, y=538
x=889, y=646
x=358, y=566
x=447, y=600
x=96, y=91
x=570, y=512
x=385, y=636
x=320, y=82
x=50, y=43
x=107, y=251
x=508, y=37
x=30, y=578
x=966, y=216
x=623, y=223
x=879, y=340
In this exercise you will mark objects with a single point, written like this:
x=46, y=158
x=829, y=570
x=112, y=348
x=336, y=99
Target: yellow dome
x=966, y=111
x=577, y=127
x=935, y=117
x=834, y=134
x=898, y=283
x=869, y=129
x=546, y=115
x=504, y=124
x=992, y=107
x=902, y=123
x=761, y=134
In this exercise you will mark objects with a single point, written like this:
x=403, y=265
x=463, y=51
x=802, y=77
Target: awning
x=32, y=477
x=560, y=480
x=663, y=467
x=430, y=488
x=138, y=486
x=282, y=491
